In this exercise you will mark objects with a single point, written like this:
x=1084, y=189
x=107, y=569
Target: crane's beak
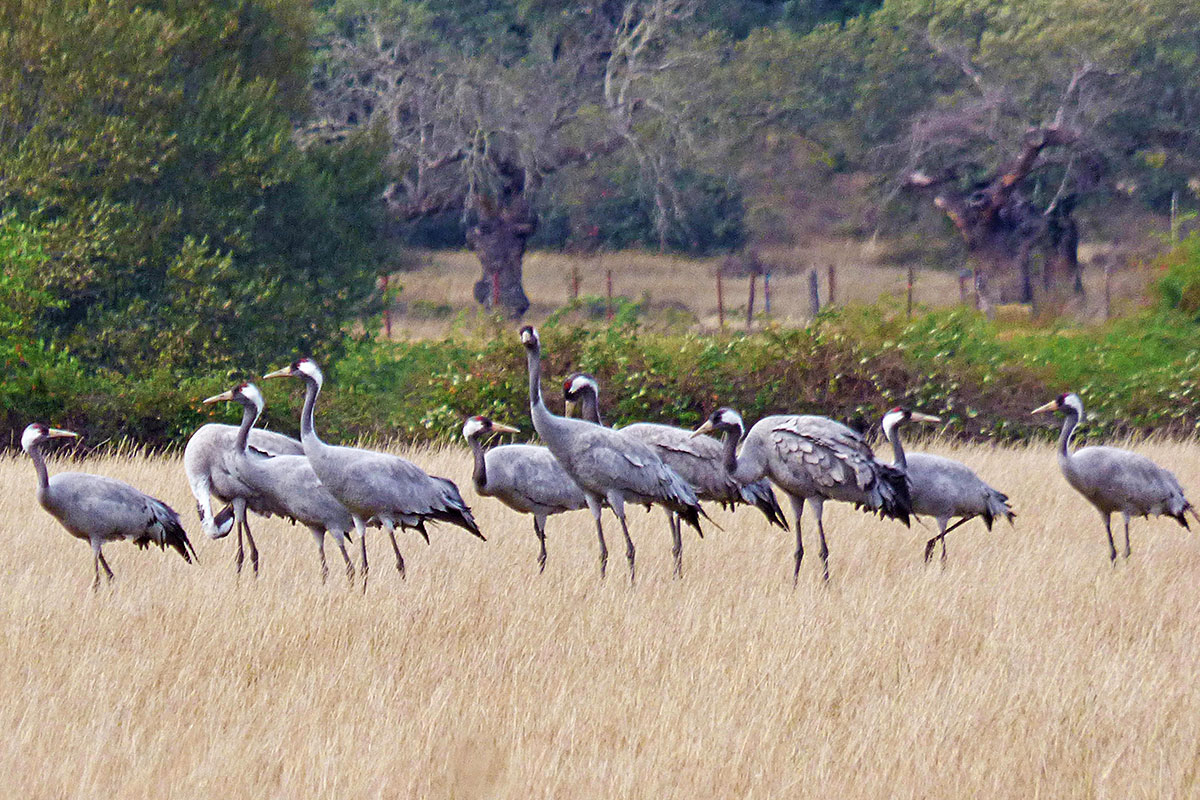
x=500, y=427
x=919, y=417
x=284, y=372
x=707, y=427
x=216, y=398
x=55, y=433
x=571, y=408
x=1051, y=406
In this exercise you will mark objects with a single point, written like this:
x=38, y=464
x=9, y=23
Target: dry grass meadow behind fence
x=1026, y=667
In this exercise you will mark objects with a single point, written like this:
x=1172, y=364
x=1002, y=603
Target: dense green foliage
x=151, y=146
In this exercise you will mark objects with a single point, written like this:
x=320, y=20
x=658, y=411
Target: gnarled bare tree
x=476, y=126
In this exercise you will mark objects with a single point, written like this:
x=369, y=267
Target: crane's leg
x=340, y=538
x=797, y=510
x=539, y=529
x=676, y=541
x=931, y=545
x=1112, y=547
x=1126, y=515
x=104, y=563
x=360, y=527
x=594, y=506
x=390, y=527
x=819, y=508
x=617, y=503
x=319, y=535
x=241, y=553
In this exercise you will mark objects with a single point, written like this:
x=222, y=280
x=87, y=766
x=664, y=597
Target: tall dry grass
x=1027, y=667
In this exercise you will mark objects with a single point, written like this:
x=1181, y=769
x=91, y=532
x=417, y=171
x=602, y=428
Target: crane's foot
x=929, y=547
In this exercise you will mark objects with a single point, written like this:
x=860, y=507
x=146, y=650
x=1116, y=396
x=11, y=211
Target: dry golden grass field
x=1027, y=667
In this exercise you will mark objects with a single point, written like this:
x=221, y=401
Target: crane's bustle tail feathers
x=763, y=498
x=893, y=491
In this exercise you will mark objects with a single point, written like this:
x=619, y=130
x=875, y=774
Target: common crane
x=99, y=509
x=608, y=465
x=941, y=487
x=525, y=477
x=1113, y=479
x=699, y=460
x=811, y=458
x=371, y=484
x=285, y=485
x=209, y=475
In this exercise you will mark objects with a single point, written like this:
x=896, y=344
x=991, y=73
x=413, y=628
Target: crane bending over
x=608, y=465
x=1113, y=479
x=811, y=458
x=371, y=484
x=99, y=509
x=205, y=462
x=285, y=485
x=942, y=487
x=525, y=477
x=699, y=460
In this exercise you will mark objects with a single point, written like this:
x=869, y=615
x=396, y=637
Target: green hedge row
x=1137, y=375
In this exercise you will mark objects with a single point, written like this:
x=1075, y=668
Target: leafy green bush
x=1179, y=287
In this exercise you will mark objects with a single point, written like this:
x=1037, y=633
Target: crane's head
x=304, y=368
x=480, y=426
x=722, y=421
x=899, y=415
x=575, y=387
x=37, y=432
x=1068, y=403
x=529, y=338
x=245, y=393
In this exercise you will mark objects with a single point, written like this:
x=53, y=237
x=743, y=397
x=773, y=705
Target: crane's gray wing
x=1133, y=481
x=98, y=508
x=532, y=477
x=291, y=489
x=827, y=453
x=605, y=459
x=273, y=444
x=698, y=460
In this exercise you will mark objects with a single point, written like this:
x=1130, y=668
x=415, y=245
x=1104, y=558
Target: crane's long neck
x=479, y=475
x=308, y=434
x=249, y=417
x=548, y=426
x=590, y=407
x=742, y=470
x=43, y=477
x=1070, y=421
x=893, y=434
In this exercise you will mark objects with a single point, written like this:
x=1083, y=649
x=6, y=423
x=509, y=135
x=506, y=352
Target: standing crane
x=1113, y=479
x=371, y=484
x=284, y=485
x=99, y=509
x=205, y=461
x=697, y=459
x=811, y=458
x=525, y=477
x=941, y=487
x=608, y=465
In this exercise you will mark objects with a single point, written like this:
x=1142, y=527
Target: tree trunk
x=498, y=238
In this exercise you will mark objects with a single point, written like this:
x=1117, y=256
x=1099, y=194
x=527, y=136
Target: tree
x=152, y=147
x=482, y=106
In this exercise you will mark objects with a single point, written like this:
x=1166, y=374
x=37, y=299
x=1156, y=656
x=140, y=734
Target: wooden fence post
x=750, y=302
x=814, y=296
x=963, y=276
x=574, y=282
x=495, y=290
x=767, y=293
x=832, y=298
x=608, y=280
x=912, y=275
x=720, y=300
